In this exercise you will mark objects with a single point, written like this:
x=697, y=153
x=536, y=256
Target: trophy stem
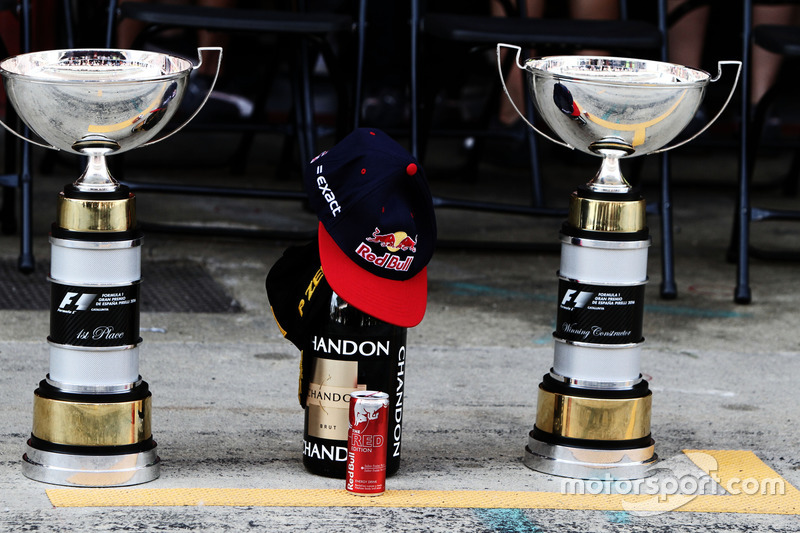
x=96, y=177
x=609, y=178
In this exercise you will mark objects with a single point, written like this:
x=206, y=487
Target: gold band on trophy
x=607, y=215
x=96, y=215
x=91, y=424
x=578, y=417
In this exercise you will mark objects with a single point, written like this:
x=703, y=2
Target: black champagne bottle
x=350, y=351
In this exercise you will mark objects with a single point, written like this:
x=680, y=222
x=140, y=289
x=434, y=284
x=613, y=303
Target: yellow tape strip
x=731, y=465
x=754, y=487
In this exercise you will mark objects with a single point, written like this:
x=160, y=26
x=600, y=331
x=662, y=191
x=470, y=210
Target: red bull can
x=366, y=443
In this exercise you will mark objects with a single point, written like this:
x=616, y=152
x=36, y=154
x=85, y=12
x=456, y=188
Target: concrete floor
x=225, y=413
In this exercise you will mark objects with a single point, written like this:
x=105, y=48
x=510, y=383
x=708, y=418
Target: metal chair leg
x=742, y=293
x=669, y=289
x=26, y=262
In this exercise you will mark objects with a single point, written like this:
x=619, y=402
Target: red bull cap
x=377, y=227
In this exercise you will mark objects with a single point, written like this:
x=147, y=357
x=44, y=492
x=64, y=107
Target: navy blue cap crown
x=372, y=198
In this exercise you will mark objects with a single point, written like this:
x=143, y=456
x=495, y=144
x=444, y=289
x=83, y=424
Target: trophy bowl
x=614, y=107
x=96, y=102
x=117, y=98
x=588, y=100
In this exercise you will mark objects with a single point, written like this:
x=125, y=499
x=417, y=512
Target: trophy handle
x=11, y=130
x=200, y=51
x=510, y=99
x=720, y=64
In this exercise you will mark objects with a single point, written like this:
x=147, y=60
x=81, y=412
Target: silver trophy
x=91, y=415
x=615, y=107
x=98, y=102
x=593, y=407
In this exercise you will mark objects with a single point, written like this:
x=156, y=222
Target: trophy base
x=585, y=463
x=91, y=470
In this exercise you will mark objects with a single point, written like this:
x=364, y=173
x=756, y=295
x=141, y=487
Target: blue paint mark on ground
x=506, y=521
x=469, y=289
x=618, y=517
x=691, y=311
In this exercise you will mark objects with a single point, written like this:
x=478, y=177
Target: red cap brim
x=401, y=303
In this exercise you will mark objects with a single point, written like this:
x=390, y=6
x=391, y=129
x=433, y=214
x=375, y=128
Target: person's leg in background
x=578, y=9
x=766, y=65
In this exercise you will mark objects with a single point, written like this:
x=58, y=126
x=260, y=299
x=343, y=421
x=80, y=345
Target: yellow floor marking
x=735, y=471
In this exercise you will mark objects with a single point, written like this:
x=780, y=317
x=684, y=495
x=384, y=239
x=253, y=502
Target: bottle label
x=348, y=347
x=328, y=398
x=94, y=316
x=601, y=314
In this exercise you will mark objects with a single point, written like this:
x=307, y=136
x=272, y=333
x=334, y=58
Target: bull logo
x=365, y=411
x=393, y=242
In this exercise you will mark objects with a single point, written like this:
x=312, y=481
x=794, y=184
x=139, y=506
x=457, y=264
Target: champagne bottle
x=350, y=351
